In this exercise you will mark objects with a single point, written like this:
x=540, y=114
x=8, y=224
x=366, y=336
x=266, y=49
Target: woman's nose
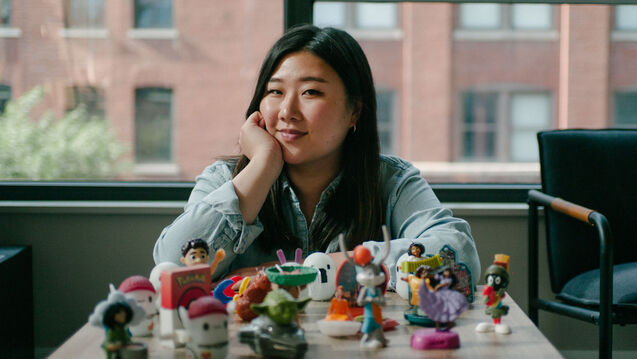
x=289, y=110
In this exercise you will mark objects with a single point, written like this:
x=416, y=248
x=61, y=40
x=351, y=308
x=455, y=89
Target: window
x=626, y=17
x=84, y=14
x=153, y=14
x=369, y=16
x=153, y=125
x=5, y=96
x=505, y=17
x=626, y=109
x=386, y=121
x=91, y=98
x=501, y=126
x=5, y=13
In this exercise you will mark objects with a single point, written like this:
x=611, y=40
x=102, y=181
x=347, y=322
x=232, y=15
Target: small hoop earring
x=354, y=129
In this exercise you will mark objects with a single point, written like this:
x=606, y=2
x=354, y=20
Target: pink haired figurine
x=206, y=324
x=143, y=291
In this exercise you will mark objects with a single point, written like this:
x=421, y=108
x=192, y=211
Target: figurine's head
x=323, y=286
x=496, y=277
x=116, y=310
x=118, y=314
x=416, y=249
x=142, y=290
x=206, y=321
x=194, y=252
x=280, y=306
x=422, y=271
x=370, y=276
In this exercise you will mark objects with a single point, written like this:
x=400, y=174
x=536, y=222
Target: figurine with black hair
x=497, y=281
x=114, y=314
x=197, y=251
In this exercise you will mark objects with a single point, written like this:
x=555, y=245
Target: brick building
x=461, y=88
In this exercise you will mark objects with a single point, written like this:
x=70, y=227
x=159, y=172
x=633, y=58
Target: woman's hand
x=258, y=144
x=253, y=183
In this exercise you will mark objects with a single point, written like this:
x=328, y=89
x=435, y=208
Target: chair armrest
x=559, y=205
x=589, y=217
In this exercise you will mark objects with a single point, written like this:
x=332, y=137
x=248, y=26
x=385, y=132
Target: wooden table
x=526, y=341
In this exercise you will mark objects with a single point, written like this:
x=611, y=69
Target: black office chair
x=592, y=252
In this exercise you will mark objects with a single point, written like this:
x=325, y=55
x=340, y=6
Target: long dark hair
x=109, y=315
x=355, y=206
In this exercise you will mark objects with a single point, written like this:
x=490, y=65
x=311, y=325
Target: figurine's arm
x=361, y=296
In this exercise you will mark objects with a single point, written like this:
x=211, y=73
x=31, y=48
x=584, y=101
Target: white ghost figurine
x=402, y=288
x=143, y=292
x=324, y=285
x=206, y=324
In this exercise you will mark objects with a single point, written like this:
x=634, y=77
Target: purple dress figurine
x=442, y=305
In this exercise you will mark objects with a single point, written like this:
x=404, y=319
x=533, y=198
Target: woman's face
x=306, y=109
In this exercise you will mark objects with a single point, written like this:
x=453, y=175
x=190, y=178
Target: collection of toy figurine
x=180, y=308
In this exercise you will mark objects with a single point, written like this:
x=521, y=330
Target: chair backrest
x=596, y=169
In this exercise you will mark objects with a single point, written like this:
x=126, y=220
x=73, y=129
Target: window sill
x=10, y=32
x=505, y=35
x=156, y=169
x=160, y=34
x=78, y=33
x=480, y=172
x=619, y=35
x=376, y=34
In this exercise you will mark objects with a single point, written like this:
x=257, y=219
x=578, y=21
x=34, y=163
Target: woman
x=310, y=169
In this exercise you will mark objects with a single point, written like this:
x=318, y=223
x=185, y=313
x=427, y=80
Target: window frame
x=295, y=12
x=504, y=128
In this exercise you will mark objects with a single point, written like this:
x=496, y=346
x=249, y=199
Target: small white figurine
x=143, y=292
x=206, y=324
x=402, y=288
x=324, y=285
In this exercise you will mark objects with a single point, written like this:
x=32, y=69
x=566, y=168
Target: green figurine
x=275, y=332
x=114, y=314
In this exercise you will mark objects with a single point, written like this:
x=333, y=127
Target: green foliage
x=74, y=146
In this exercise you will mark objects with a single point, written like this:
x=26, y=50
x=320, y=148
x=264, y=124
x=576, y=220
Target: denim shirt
x=412, y=214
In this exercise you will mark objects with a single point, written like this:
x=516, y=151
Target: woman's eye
x=273, y=92
x=312, y=92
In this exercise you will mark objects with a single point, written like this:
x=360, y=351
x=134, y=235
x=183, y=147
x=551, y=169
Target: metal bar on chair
x=533, y=262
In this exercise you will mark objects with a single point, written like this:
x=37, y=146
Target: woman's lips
x=291, y=135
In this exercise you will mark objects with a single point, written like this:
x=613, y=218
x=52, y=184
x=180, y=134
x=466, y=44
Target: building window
x=505, y=17
x=153, y=125
x=367, y=16
x=626, y=17
x=153, y=14
x=5, y=96
x=501, y=126
x=84, y=14
x=91, y=98
x=385, y=112
x=626, y=109
x=5, y=13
